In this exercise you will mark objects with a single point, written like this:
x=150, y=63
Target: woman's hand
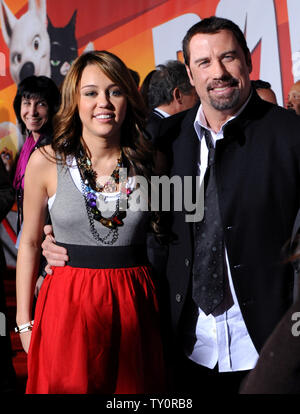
x=25, y=338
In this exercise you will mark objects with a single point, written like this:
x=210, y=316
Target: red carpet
x=19, y=356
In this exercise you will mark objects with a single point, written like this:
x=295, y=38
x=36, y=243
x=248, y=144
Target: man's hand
x=55, y=255
x=38, y=286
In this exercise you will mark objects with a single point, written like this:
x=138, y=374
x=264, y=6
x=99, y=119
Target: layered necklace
x=92, y=192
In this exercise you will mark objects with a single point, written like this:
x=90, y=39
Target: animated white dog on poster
x=27, y=39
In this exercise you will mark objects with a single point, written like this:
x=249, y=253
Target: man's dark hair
x=212, y=25
x=145, y=87
x=260, y=84
x=164, y=80
x=136, y=76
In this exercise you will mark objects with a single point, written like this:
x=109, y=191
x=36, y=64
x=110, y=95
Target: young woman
x=96, y=327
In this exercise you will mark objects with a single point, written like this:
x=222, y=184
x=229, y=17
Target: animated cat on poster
x=63, y=48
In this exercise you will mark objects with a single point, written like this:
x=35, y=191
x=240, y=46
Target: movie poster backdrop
x=43, y=37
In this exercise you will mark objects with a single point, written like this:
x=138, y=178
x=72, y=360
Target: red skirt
x=96, y=331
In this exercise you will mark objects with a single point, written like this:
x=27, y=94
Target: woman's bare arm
x=40, y=182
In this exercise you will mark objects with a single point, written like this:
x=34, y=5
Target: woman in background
x=36, y=102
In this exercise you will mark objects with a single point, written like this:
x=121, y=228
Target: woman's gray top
x=70, y=218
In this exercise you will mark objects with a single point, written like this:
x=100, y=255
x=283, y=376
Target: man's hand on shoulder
x=55, y=255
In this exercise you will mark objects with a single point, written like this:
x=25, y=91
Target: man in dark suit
x=223, y=313
x=169, y=93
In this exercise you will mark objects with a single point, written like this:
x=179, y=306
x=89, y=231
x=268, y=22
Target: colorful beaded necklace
x=90, y=176
x=90, y=188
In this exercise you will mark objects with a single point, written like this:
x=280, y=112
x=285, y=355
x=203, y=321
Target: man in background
x=264, y=90
x=169, y=93
x=293, y=102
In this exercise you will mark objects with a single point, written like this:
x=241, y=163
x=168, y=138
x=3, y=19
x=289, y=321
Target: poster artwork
x=43, y=37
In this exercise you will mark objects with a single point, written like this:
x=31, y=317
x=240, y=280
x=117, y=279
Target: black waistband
x=98, y=257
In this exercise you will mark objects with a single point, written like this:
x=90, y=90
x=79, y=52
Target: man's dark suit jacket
x=160, y=128
x=154, y=123
x=160, y=131
x=258, y=180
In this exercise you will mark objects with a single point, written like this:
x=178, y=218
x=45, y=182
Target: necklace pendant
x=118, y=221
x=93, y=200
x=110, y=187
x=107, y=223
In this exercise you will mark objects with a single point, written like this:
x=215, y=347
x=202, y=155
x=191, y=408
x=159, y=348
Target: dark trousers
x=7, y=372
x=195, y=379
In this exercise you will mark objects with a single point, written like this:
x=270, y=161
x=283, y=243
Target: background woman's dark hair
x=212, y=25
x=40, y=87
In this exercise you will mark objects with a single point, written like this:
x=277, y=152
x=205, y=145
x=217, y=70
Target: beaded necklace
x=90, y=188
x=90, y=176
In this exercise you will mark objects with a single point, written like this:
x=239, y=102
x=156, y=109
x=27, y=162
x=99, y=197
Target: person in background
x=36, y=102
x=293, y=100
x=7, y=373
x=145, y=87
x=169, y=93
x=170, y=90
x=264, y=90
x=136, y=77
x=278, y=368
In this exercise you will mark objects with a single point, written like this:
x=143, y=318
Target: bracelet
x=25, y=327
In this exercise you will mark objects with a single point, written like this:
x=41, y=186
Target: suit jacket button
x=178, y=297
x=186, y=262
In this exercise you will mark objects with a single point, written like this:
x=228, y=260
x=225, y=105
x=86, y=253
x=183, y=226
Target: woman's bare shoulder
x=43, y=157
x=41, y=171
x=41, y=165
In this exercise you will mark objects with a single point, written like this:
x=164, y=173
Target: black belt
x=98, y=257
